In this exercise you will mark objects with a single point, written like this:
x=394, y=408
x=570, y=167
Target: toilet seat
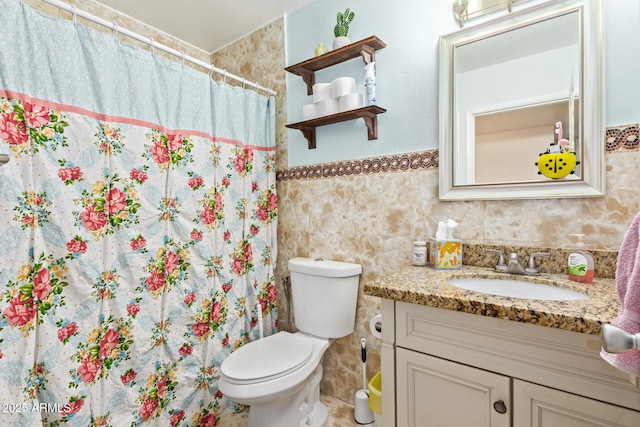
x=266, y=359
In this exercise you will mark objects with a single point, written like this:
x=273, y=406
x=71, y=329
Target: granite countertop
x=427, y=286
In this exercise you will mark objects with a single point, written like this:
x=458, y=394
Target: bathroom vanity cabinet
x=448, y=368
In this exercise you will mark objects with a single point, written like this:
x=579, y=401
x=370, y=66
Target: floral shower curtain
x=137, y=229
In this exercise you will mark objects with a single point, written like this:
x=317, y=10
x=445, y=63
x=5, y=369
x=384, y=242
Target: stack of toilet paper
x=332, y=98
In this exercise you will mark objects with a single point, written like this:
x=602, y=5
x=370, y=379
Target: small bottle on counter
x=580, y=263
x=419, y=253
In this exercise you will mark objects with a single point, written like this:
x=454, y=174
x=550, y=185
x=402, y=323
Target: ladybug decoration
x=559, y=160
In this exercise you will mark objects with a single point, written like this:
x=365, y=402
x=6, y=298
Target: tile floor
x=340, y=415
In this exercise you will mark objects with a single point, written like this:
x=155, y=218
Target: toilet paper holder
x=375, y=325
x=378, y=326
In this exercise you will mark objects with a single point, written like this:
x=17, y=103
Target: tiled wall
x=618, y=140
x=369, y=210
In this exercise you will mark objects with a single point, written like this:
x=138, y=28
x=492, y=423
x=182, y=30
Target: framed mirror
x=516, y=88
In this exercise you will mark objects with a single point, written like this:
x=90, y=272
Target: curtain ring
x=244, y=82
x=182, y=57
x=115, y=30
x=73, y=11
x=211, y=71
x=152, y=46
x=224, y=76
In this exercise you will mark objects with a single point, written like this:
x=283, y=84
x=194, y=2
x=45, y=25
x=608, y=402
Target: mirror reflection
x=511, y=90
x=514, y=91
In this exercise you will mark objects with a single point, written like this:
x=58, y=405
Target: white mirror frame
x=592, y=141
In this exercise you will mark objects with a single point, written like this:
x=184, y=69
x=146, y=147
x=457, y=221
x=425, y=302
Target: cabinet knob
x=500, y=407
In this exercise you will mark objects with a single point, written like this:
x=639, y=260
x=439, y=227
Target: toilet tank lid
x=322, y=267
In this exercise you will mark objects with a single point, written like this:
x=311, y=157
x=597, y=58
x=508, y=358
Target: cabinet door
x=433, y=392
x=540, y=406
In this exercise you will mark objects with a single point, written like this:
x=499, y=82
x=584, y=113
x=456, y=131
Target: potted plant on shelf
x=342, y=28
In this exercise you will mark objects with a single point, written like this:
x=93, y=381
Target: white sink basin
x=517, y=289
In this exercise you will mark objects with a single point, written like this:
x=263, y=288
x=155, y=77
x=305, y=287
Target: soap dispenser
x=580, y=262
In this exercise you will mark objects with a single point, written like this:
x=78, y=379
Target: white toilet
x=279, y=376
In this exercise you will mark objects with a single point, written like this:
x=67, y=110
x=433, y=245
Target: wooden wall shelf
x=365, y=48
x=369, y=114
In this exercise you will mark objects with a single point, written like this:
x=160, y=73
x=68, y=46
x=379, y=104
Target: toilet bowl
x=279, y=376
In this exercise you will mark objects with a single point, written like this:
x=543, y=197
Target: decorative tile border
x=616, y=138
x=403, y=162
x=623, y=137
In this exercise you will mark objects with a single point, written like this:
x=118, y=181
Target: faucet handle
x=500, y=266
x=532, y=268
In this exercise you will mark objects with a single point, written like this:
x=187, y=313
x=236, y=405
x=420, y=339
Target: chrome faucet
x=515, y=266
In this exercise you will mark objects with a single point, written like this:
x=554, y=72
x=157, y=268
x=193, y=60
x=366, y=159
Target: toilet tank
x=325, y=295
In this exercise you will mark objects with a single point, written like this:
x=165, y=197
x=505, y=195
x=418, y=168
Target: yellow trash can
x=375, y=398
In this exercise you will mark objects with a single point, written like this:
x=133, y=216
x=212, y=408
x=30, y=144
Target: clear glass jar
x=419, y=253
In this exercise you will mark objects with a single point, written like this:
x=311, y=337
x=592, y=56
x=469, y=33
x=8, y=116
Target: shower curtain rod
x=113, y=26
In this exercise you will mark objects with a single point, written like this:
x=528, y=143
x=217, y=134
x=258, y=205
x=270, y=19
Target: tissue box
x=445, y=254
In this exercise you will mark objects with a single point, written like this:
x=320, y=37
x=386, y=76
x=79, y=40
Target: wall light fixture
x=463, y=10
x=459, y=8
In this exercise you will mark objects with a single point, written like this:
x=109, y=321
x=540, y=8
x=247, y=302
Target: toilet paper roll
x=342, y=86
x=351, y=101
x=372, y=326
x=309, y=111
x=327, y=107
x=321, y=91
